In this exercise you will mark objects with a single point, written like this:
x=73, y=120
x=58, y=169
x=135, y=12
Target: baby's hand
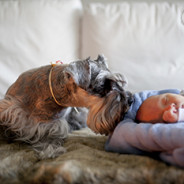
x=171, y=115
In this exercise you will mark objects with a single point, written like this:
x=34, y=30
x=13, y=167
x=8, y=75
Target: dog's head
x=96, y=79
x=94, y=76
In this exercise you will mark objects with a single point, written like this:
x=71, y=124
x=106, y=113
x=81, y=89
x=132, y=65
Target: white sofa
x=141, y=39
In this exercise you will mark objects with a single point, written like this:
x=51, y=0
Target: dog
x=37, y=106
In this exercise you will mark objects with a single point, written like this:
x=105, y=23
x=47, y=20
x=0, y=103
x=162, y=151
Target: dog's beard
x=105, y=115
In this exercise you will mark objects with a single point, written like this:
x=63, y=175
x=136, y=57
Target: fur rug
x=84, y=162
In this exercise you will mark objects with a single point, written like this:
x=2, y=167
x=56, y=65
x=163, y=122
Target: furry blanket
x=84, y=162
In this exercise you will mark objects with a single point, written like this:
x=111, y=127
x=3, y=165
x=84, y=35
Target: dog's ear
x=101, y=60
x=88, y=59
x=68, y=76
x=79, y=72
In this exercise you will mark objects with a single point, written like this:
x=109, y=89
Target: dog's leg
x=51, y=138
x=10, y=118
x=45, y=137
x=76, y=118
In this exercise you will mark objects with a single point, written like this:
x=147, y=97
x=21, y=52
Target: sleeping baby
x=150, y=126
x=167, y=108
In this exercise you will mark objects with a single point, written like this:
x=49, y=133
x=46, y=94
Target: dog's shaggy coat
x=30, y=112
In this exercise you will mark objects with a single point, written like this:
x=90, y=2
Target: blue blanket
x=139, y=138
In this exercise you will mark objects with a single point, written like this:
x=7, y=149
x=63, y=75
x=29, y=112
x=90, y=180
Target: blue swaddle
x=139, y=138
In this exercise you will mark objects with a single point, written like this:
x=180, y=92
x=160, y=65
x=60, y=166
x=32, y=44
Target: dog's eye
x=108, y=85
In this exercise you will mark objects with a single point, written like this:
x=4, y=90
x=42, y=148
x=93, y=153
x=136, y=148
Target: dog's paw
x=51, y=153
x=49, y=150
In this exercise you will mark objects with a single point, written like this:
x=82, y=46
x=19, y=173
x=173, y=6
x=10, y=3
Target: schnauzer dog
x=38, y=105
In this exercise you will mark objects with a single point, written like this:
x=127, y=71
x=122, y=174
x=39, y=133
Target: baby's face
x=161, y=108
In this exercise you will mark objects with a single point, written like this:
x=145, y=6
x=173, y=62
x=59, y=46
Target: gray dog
x=38, y=105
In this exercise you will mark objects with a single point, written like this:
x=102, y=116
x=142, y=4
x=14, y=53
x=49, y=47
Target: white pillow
x=35, y=33
x=143, y=40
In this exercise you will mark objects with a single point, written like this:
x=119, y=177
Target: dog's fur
x=29, y=112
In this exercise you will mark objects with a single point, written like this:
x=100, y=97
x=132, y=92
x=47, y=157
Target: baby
x=158, y=134
x=166, y=108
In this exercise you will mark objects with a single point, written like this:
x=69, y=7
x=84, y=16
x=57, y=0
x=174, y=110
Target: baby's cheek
x=170, y=117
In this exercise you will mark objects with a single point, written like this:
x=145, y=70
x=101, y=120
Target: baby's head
x=161, y=108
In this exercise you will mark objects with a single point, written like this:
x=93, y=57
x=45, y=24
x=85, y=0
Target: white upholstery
x=35, y=33
x=142, y=39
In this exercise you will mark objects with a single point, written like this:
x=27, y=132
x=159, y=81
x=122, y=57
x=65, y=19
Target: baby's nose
x=177, y=105
x=172, y=107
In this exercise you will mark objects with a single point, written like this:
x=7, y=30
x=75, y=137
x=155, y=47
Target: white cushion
x=35, y=33
x=143, y=40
